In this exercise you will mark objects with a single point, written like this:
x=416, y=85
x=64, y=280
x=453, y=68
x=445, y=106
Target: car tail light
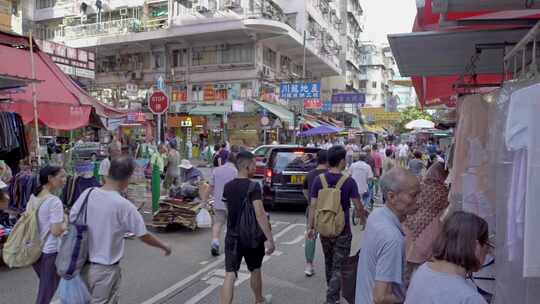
x=268, y=175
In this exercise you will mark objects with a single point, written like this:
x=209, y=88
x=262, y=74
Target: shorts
x=220, y=216
x=234, y=254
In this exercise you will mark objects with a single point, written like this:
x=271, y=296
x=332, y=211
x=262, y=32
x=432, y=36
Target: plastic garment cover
x=511, y=286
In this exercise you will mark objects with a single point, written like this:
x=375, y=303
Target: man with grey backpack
x=108, y=217
x=331, y=196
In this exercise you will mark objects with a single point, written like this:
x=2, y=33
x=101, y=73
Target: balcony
x=113, y=28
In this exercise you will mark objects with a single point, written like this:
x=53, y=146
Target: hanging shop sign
x=312, y=104
x=351, y=98
x=379, y=116
x=238, y=106
x=300, y=90
x=72, y=61
x=179, y=94
x=215, y=92
x=158, y=103
x=135, y=117
x=186, y=121
x=326, y=106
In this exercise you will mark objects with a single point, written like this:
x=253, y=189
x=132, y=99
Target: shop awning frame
x=203, y=110
x=282, y=113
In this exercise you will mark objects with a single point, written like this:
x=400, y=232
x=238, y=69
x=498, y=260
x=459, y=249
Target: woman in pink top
x=377, y=160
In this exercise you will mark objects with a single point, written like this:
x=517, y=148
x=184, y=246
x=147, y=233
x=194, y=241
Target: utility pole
x=34, y=98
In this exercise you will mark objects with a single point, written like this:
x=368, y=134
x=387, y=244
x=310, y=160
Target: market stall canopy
x=420, y=124
x=8, y=82
x=209, y=110
x=61, y=103
x=322, y=130
x=450, y=52
x=283, y=114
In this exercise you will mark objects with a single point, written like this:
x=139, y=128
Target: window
x=178, y=58
x=374, y=84
x=269, y=58
x=45, y=3
x=363, y=84
x=238, y=53
x=284, y=63
x=204, y=55
x=158, y=59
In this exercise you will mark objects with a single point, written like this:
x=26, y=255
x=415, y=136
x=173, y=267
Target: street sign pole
x=158, y=129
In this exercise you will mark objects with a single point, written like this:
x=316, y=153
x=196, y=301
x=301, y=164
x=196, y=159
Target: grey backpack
x=73, y=252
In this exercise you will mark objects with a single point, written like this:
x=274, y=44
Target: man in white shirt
x=362, y=173
x=109, y=217
x=105, y=164
x=403, y=154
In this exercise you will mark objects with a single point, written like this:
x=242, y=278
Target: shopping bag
x=204, y=220
x=348, y=277
x=73, y=291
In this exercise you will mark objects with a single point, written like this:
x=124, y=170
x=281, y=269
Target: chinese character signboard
x=300, y=90
x=326, y=106
x=313, y=104
x=351, y=98
x=72, y=61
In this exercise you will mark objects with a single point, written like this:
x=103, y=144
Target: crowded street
x=196, y=276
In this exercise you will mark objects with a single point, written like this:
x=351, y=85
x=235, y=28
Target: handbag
x=250, y=234
x=73, y=252
x=349, y=270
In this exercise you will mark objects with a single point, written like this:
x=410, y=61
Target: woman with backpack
x=51, y=224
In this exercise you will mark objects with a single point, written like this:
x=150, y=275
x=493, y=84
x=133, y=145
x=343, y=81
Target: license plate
x=297, y=179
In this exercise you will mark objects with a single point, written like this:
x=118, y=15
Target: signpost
x=352, y=98
x=158, y=103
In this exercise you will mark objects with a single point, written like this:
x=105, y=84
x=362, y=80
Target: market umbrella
x=420, y=124
x=321, y=130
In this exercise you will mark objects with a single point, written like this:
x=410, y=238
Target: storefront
x=482, y=67
x=191, y=132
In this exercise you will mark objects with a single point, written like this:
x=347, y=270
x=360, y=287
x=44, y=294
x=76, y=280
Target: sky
x=385, y=17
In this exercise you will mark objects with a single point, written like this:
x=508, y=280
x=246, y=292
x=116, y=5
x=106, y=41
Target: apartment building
x=376, y=71
x=10, y=16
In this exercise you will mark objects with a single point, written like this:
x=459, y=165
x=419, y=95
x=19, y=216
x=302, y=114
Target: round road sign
x=265, y=121
x=158, y=103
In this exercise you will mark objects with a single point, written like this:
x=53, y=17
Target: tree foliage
x=409, y=114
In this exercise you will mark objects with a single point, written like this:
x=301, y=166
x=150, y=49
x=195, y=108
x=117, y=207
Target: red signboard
x=313, y=103
x=158, y=102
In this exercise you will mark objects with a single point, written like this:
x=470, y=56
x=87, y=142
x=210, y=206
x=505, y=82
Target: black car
x=285, y=173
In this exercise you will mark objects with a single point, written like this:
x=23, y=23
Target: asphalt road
x=191, y=275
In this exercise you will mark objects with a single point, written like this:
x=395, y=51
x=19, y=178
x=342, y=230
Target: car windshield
x=294, y=161
x=260, y=151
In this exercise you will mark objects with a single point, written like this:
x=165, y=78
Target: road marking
x=204, y=262
x=298, y=239
x=201, y=295
x=173, y=290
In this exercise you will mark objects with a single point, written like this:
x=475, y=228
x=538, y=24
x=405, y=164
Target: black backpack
x=249, y=233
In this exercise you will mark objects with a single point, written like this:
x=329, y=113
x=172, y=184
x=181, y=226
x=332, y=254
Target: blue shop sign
x=300, y=90
x=353, y=98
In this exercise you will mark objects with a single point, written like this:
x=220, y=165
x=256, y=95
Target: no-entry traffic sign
x=158, y=102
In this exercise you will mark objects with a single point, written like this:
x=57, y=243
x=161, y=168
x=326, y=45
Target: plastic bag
x=73, y=291
x=204, y=220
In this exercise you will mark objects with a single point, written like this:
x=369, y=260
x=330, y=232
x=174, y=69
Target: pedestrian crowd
x=411, y=251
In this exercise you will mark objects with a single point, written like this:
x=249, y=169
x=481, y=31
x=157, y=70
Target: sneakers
x=309, y=271
x=267, y=300
x=215, y=249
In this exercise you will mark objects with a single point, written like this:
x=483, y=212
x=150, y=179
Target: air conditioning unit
x=137, y=75
x=223, y=46
x=123, y=11
x=324, y=9
x=84, y=18
x=231, y=4
x=202, y=9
